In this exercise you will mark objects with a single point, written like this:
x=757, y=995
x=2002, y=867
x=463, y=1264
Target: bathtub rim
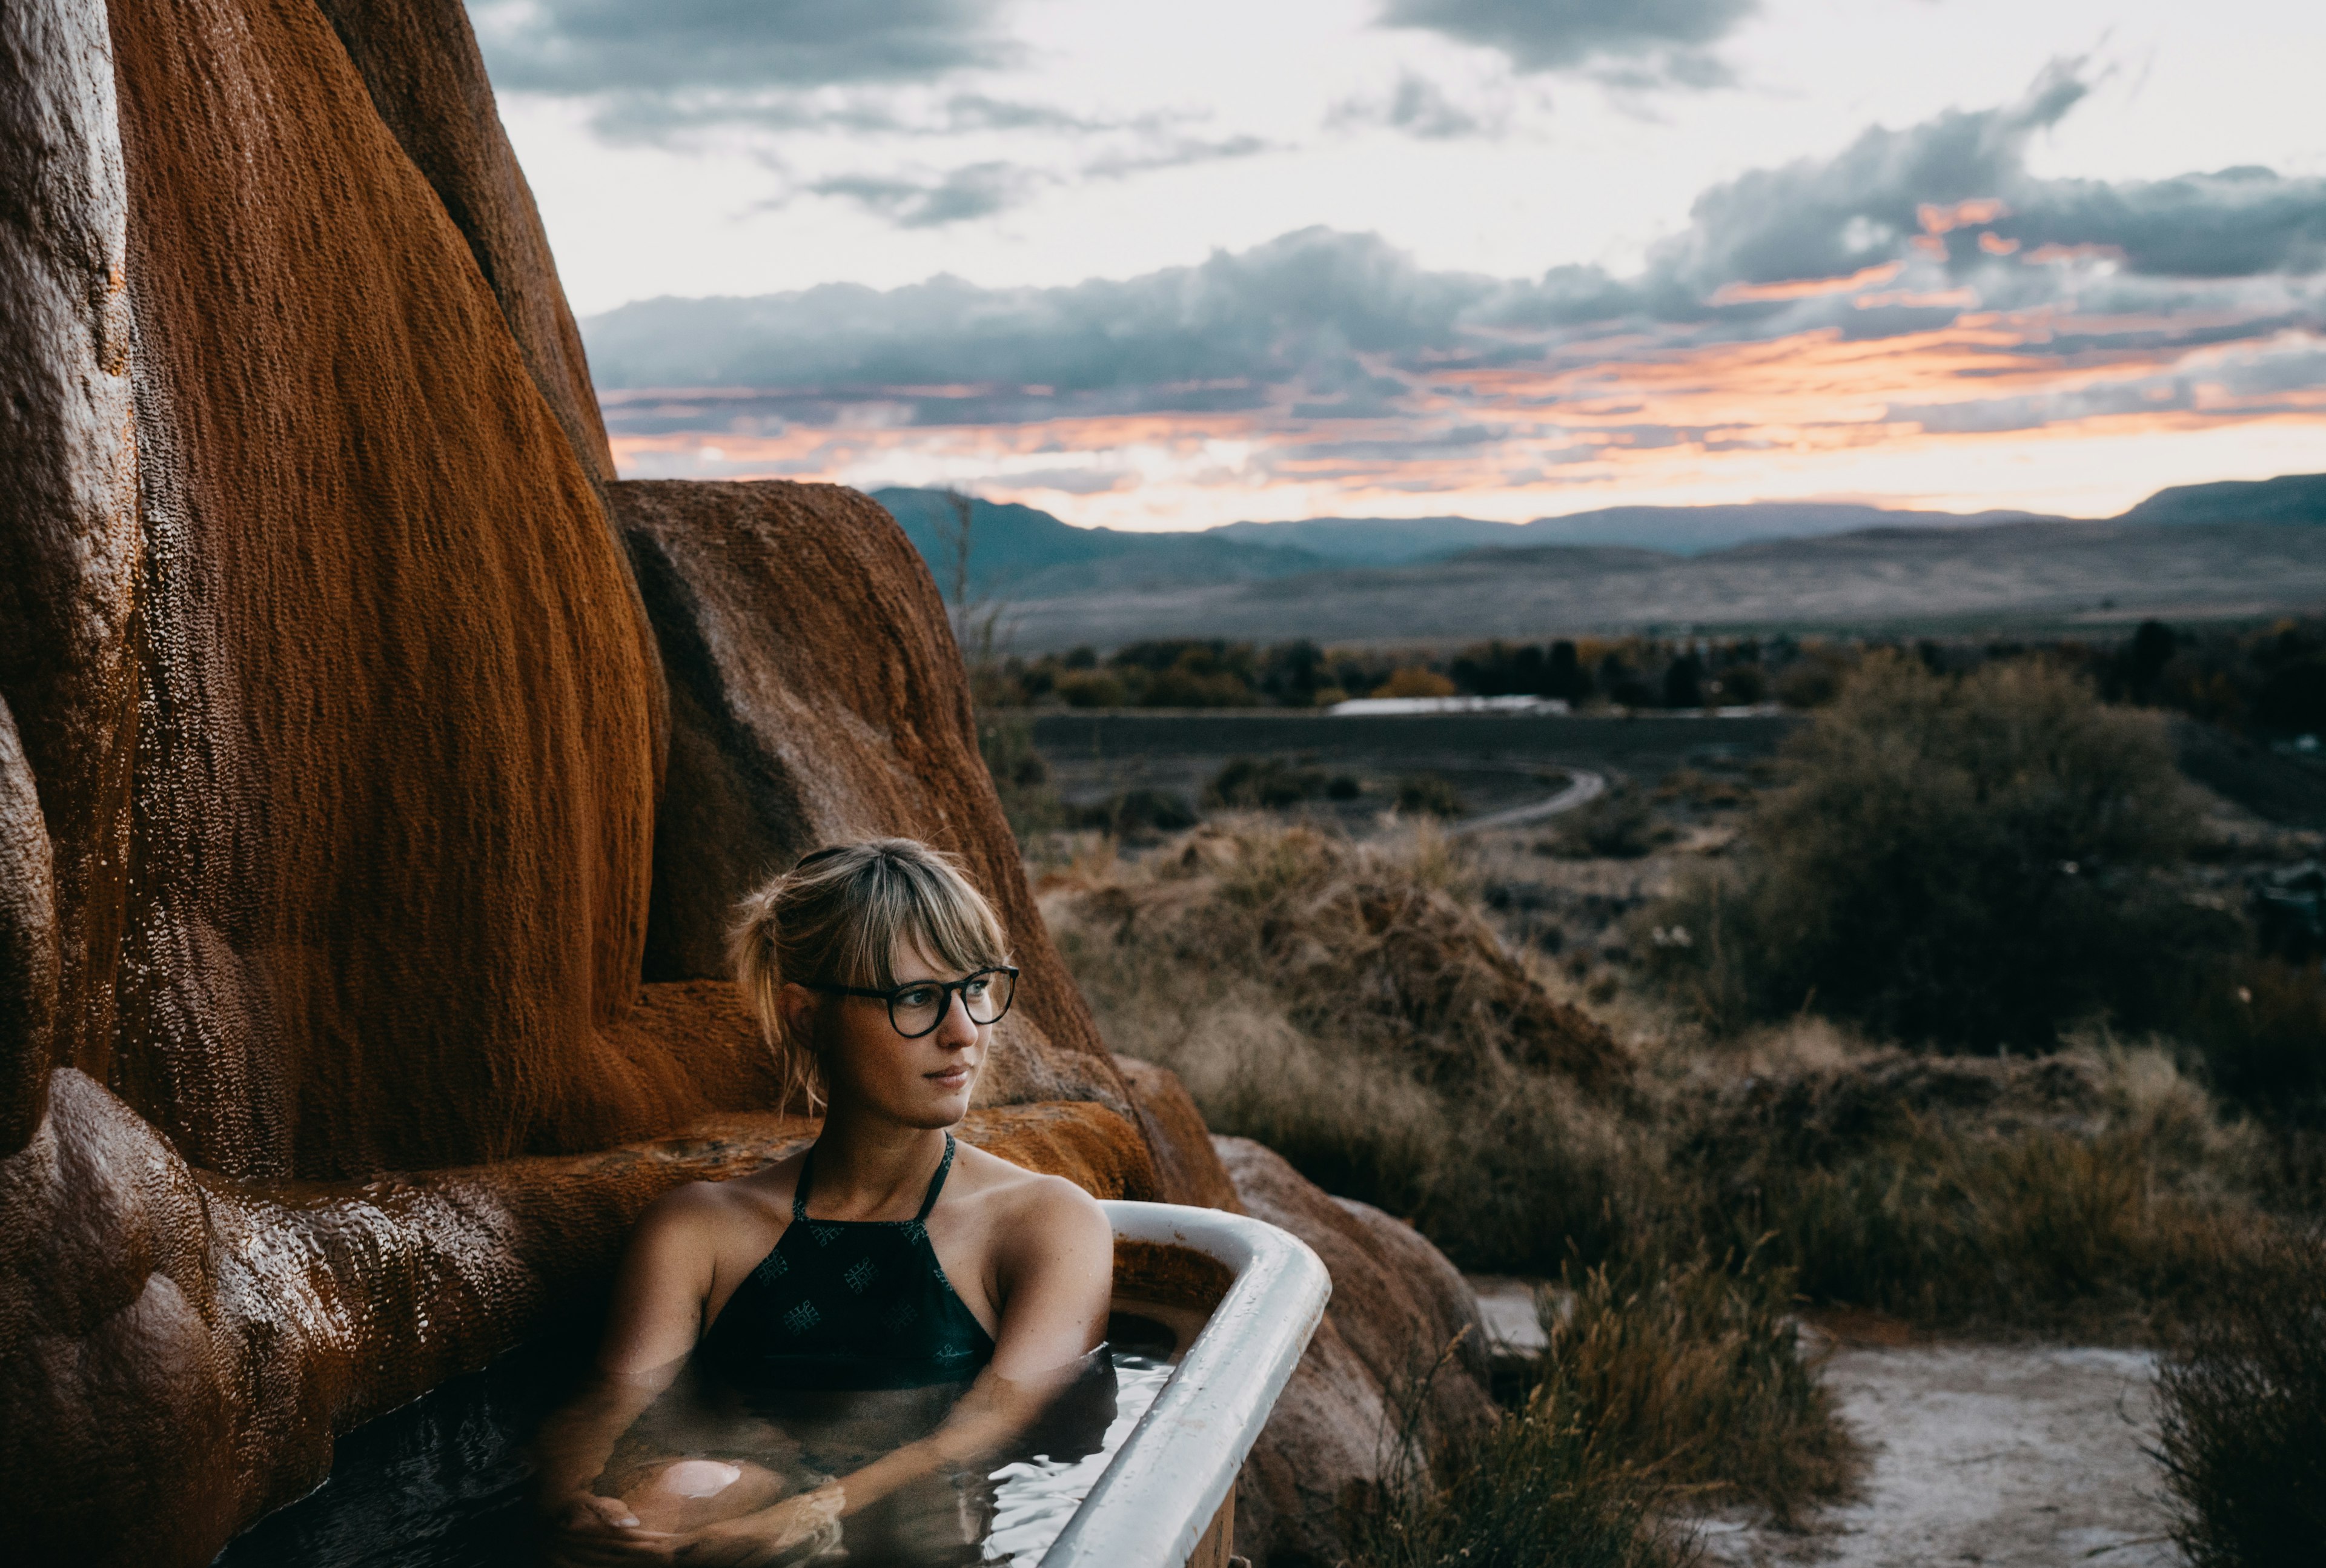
x=1151, y=1506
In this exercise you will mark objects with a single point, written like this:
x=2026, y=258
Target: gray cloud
x=982, y=190
x=1940, y=217
x=975, y=190
x=1418, y=106
x=1821, y=218
x=1640, y=41
x=1305, y=310
x=650, y=117
x=577, y=47
x=1899, y=195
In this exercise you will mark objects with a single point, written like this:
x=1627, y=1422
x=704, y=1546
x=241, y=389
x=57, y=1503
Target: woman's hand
x=810, y=1519
x=588, y=1531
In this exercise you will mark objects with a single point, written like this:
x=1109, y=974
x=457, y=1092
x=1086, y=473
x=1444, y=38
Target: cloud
x=1419, y=107
x=975, y=190
x=1955, y=190
x=1639, y=43
x=577, y=47
x=1307, y=309
x=1919, y=280
x=855, y=111
x=982, y=190
x=1172, y=152
x=1821, y=218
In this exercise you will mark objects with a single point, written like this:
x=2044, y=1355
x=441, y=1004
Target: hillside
x=1019, y=553
x=2007, y=575
x=2289, y=498
x=1023, y=554
x=1693, y=529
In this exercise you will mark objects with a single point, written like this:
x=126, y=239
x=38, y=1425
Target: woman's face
x=922, y=1082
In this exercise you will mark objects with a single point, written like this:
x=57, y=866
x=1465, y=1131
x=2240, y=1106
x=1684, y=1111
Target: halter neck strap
x=936, y=1185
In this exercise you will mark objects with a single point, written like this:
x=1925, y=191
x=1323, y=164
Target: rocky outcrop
x=69, y=545
x=419, y=62
x=816, y=693
x=1397, y=1306
x=393, y=798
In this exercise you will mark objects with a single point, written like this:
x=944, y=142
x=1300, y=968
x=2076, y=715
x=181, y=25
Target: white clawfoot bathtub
x=1167, y=1498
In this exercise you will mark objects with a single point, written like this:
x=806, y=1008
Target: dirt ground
x=2007, y=1456
x=2010, y=1456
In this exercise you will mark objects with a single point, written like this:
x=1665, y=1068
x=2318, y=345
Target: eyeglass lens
x=917, y=1009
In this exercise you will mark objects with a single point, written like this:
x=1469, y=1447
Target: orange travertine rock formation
x=815, y=694
x=363, y=828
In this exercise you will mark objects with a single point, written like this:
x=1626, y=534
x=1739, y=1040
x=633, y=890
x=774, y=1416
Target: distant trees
x=2270, y=683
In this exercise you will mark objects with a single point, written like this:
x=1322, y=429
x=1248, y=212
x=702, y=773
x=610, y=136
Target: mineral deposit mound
x=374, y=769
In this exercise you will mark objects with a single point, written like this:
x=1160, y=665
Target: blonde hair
x=837, y=918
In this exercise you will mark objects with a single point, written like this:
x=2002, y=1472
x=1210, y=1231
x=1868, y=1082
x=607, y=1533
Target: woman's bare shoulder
x=1028, y=1197
x=694, y=1208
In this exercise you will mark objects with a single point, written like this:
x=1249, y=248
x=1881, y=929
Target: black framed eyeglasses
x=917, y=1009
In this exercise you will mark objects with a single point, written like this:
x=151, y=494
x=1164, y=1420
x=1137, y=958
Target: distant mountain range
x=1673, y=530
x=1023, y=554
x=1018, y=552
x=2040, y=578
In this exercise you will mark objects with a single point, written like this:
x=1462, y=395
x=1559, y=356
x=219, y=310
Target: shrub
x=1977, y=861
x=1744, y=684
x=1429, y=794
x=1692, y=1370
x=1091, y=688
x=1813, y=680
x=1663, y=1384
x=1268, y=782
x=1414, y=681
x=1021, y=777
x=2243, y=1428
x=2081, y=1192
x=1618, y=825
x=1142, y=815
x=2262, y=1031
x=1536, y=1491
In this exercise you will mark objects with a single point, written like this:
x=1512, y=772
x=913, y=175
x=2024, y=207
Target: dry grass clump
x=2242, y=1435
x=1665, y=1385
x=1364, y=945
x=2093, y=1190
x=1341, y=1004
x=1691, y=1370
x=1539, y=1488
x=1537, y=1491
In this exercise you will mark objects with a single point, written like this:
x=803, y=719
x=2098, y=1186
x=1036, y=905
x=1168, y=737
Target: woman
x=854, y=1288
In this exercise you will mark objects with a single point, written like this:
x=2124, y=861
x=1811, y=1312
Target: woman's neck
x=866, y=1165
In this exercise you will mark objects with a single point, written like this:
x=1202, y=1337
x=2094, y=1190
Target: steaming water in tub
x=445, y=1482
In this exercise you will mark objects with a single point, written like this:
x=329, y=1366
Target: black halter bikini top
x=848, y=1303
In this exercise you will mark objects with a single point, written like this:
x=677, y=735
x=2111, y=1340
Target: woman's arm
x=1054, y=1267
x=651, y=1326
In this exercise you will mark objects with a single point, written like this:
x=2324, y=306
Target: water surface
x=446, y=1482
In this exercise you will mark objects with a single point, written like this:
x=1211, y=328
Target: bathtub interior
x=445, y=1482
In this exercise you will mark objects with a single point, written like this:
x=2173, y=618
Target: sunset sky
x=1168, y=267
